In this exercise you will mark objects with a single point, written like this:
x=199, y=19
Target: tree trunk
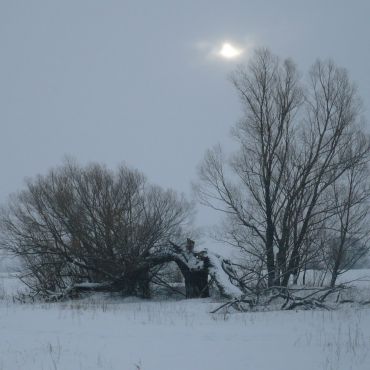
x=333, y=280
x=196, y=284
x=271, y=272
x=293, y=266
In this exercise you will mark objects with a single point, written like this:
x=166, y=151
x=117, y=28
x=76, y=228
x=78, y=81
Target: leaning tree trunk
x=195, y=273
x=196, y=284
x=196, y=281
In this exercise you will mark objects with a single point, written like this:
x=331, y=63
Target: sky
x=141, y=82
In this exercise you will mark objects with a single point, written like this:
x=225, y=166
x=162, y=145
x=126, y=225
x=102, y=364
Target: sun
x=229, y=51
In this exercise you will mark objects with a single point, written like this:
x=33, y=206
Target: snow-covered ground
x=177, y=335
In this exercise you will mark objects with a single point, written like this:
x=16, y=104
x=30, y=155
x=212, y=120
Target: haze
x=141, y=82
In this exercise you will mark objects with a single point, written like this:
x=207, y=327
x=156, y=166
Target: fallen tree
x=199, y=270
x=291, y=298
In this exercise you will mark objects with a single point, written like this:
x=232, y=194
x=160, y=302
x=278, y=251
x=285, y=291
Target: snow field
x=114, y=334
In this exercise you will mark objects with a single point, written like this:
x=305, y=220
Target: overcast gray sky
x=139, y=81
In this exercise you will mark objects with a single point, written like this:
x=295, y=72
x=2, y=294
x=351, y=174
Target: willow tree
x=101, y=229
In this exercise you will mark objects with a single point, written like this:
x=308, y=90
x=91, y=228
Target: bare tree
x=270, y=96
x=331, y=142
x=93, y=227
x=295, y=141
x=347, y=239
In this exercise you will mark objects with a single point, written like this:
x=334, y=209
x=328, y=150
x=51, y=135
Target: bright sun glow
x=229, y=51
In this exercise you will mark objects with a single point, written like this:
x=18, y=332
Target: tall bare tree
x=295, y=140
